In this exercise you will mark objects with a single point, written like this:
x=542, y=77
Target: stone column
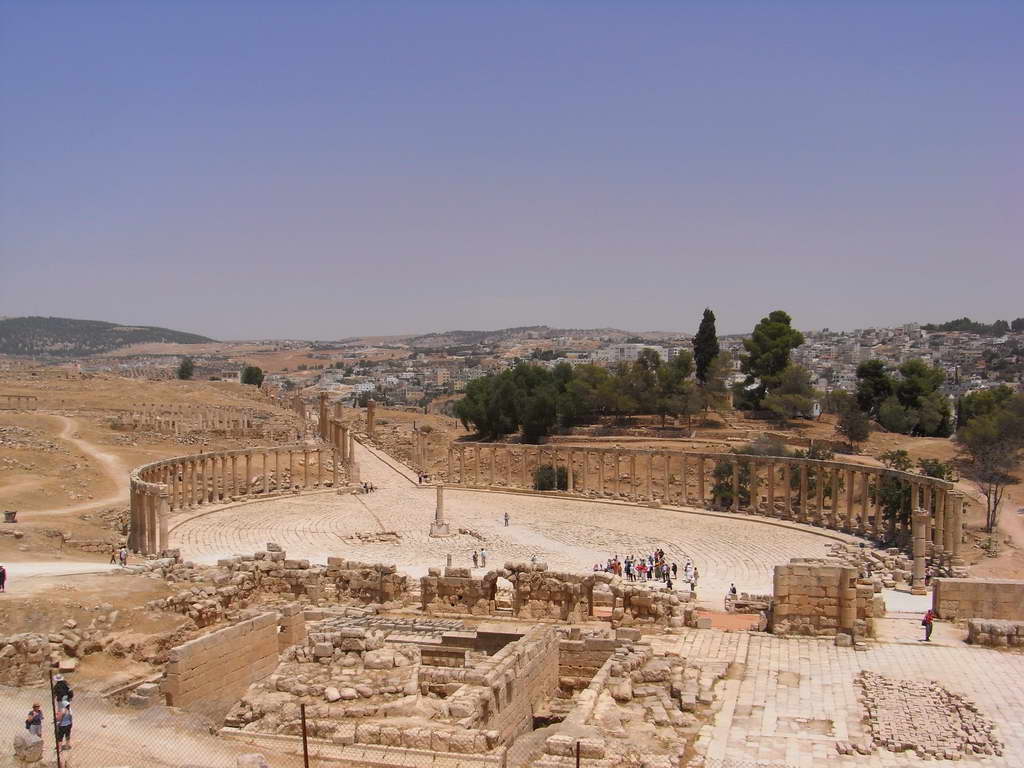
x=736, y=484
x=805, y=507
x=439, y=527
x=152, y=526
x=819, y=483
x=700, y=480
x=334, y=468
x=163, y=513
x=266, y=473
x=865, y=504
x=319, y=468
x=958, y=530
x=849, y=500
x=494, y=455
x=650, y=471
x=848, y=599
x=771, y=488
x=667, y=458
x=247, y=485
x=291, y=471
x=634, y=485
x=371, y=416
x=600, y=472
x=524, y=469
x=920, y=527
x=948, y=525
x=462, y=466
x=570, y=481
x=939, y=516
x=234, y=475
x=451, y=468
x=787, y=483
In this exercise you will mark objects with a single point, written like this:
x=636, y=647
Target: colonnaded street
x=568, y=534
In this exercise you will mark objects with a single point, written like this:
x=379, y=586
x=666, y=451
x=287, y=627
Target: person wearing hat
x=34, y=721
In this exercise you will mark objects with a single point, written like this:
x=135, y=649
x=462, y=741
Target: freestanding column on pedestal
x=920, y=528
x=735, y=485
x=570, y=481
x=939, y=515
x=439, y=527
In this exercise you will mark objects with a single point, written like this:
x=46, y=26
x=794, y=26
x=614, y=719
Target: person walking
x=64, y=723
x=113, y=556
x=34, y=721
x=506, y=519
x=732, y=590
x=123, y=555
x=3, y=579
x=476, y=559
x=483, y=557
x=927, y=622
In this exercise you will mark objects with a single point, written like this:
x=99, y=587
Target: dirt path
x=112, y=466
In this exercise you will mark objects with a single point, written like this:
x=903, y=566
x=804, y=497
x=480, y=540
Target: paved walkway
x=570, y=534
x=788, y=701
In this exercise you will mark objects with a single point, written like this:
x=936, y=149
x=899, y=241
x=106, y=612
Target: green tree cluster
x=252, y=374
x=534, y=400
x=992, y=445
x=966, y=325
x=910, y=403
x=186, y=368
x=768, y=369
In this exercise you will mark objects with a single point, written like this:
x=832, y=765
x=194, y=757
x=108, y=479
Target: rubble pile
x=884, y=567
x=923, y=717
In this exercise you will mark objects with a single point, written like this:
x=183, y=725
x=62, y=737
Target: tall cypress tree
x=705, y=345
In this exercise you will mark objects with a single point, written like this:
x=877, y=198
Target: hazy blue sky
x=323, y=169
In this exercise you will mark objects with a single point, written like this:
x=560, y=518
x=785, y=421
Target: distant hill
x=64, y=337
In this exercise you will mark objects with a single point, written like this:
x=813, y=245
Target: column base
x=919, y=590
x=439, y=530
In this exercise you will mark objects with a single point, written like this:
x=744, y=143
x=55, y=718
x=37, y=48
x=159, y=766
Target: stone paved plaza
x=787, y=701
x=568, y=534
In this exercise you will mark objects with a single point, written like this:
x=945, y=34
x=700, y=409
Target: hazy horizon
x=328, y=170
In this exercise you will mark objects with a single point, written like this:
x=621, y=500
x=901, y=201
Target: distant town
x=414, y=371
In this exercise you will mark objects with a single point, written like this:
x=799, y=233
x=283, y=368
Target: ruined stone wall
x=502, y=691
x=819, y=597
x=209, y=674
x=955, y=599
x=368, y=582
x=24, y=659
x=995, y=632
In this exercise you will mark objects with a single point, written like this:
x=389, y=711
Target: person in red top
x=926, y=622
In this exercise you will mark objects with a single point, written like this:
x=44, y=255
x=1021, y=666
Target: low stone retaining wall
x=209, y=674
x=995, y=633
x=955, y=599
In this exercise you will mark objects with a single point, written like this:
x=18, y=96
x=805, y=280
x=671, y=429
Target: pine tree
x=705, y=345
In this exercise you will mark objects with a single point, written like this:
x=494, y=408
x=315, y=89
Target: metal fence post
x=53, y=709
x=305, y=744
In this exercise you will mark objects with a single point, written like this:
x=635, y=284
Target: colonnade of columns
x=22, y=402
x=830, y=494
x=187, y=482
